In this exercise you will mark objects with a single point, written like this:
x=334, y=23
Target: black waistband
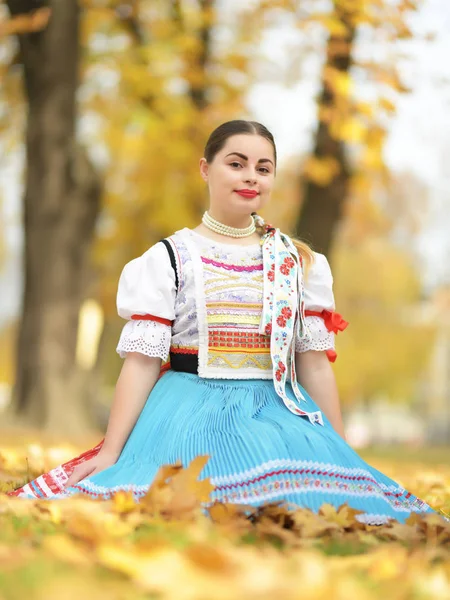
x=188, y=363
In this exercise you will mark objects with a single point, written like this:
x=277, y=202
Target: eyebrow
x=261, y=160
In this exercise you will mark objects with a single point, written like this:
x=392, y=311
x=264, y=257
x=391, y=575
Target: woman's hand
x=102, y=461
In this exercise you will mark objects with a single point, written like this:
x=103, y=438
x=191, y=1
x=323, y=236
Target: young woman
x=248, y=319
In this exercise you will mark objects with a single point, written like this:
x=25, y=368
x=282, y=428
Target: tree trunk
x=60, y=208
x=323, y=204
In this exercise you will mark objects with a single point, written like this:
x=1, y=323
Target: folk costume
x=230, y=318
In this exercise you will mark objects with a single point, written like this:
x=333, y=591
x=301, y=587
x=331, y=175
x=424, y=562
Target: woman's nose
x=251, y=179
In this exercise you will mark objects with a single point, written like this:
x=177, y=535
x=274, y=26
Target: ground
x=165, y=547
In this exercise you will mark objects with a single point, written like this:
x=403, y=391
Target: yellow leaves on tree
x=340, y=82
x=35, y=20
x=386, y=349
x=351, y=119
x=321, y=170
x=350, y=130
x=170, y=87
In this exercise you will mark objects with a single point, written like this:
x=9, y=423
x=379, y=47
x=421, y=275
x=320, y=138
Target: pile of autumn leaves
x=165, y=546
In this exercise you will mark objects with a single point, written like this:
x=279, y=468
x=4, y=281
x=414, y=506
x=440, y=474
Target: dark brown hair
x=219, y=136
x=217, y=141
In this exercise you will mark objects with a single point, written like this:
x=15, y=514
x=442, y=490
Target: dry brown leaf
x=176, y=491
x=344, y=515
x=223, y=512
x=313, y=526
x=124, y=502
x=214, y=560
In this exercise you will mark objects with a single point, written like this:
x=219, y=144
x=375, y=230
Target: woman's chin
x=249, y=204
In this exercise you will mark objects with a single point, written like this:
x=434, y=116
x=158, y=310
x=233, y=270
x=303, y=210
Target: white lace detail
x=321, y=338
x=148, y=337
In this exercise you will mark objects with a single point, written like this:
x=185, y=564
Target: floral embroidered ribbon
x=283, y=315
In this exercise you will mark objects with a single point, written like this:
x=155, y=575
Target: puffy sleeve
x=322, y=320
x=146, y=298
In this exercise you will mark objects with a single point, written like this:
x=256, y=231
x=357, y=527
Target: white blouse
x=318, y=296
x=231, y=277
x=147, y=286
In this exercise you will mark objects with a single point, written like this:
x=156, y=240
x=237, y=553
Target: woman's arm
x=136, y=380
x=315, y=374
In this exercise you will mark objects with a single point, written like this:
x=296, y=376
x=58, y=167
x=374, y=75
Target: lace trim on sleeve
x=147, y=337
x=321, y=338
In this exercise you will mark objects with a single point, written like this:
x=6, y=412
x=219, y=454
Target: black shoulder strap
x=172, y=259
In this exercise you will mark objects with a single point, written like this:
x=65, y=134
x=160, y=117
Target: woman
x=248, y=319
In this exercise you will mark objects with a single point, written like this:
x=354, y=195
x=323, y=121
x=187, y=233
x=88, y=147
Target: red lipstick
x=247, y=193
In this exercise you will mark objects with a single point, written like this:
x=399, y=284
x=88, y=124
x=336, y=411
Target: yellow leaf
x=321, y=171
x=224, y=512
x=339, y=81
x=65, y=549
x=372, y=158
x=209, y=558
x=49, y=511
x=344, y=515
x=312, y=525
x=26, y=23
x=387, y=105
x=364, y=108
x=349, y=130
x=124, y=502
x=177, y=491
x=188, y=478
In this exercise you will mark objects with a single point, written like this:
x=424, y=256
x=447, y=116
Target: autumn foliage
x=167, y=546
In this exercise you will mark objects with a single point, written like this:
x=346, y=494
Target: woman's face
x=246, y=162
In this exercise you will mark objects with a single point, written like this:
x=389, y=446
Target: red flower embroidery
x=268, y=329
x=289, y=262
x=278, y=375
x=271, y=275
x=284, y=269
x=286, y=312
x=281, y=321
x=282, y=367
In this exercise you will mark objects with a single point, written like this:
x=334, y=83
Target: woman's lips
x=247, y=194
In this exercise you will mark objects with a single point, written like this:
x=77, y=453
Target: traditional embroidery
x=299, y=476
x=223, y=288
x=268, y=481
x=283, y=315
x=231, y=267
x=148, y=337
x=183, y=349
x=239, y=360
x=226, y=338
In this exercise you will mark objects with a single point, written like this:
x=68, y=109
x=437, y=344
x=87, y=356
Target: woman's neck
x=218, y=237
x=231, y=220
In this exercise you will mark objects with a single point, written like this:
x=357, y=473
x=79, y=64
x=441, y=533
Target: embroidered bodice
x=209, y=304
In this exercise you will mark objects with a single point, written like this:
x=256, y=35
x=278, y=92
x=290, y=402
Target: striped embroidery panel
x=233, y=313
x=228, y=339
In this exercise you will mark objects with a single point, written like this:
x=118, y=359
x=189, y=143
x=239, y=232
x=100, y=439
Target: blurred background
x=105, y=108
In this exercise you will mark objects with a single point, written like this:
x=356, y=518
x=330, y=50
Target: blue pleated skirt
x=259, y=451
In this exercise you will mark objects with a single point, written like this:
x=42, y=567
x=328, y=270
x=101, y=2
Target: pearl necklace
x=236, y=232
